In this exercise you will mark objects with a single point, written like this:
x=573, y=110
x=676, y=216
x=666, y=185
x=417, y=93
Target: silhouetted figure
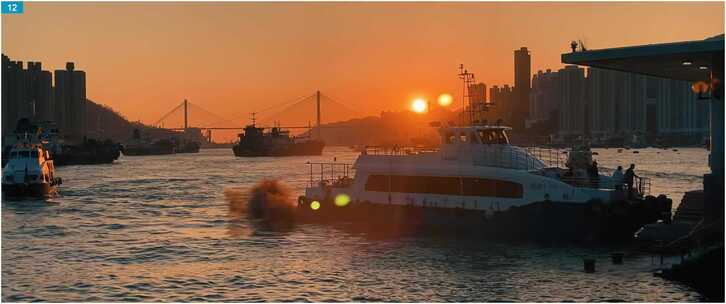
x=618, y=178
x=573, y=45
x=630, y=179
x=594, y=174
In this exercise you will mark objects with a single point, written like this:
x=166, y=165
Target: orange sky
x=142, y=59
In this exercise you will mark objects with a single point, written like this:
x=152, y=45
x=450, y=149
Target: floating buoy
x=675, y=150
x=636, y=152
x=617, y=258
x=589, y=265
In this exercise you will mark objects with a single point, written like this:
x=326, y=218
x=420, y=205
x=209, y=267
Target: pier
x=700, y=62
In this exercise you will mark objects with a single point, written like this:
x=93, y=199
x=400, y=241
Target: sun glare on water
x=419, y=105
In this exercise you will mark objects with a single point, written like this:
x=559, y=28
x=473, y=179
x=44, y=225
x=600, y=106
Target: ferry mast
x=467, y=80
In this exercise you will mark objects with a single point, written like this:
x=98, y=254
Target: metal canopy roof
x=667, y=60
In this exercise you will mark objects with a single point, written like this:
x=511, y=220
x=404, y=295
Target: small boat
x=30, y=172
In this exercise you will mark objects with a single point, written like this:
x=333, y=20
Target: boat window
x=462, y=137
x=34, y=154
x=24, y=154
x=473, y=186
x=487, y=136
x=14, y=154
x=443, y=185
x=449, y=138
x=473, y=138
x=502, y=137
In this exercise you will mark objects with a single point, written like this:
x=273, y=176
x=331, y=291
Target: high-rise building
x=522, y=87
x=543, y=97
x=26, y=93
x=70, y=99
x=499, y=105
x=477, y=101
x=572, y=102
x=40, y=92
x=627, y=105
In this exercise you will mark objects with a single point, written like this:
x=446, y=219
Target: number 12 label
x=12, y=7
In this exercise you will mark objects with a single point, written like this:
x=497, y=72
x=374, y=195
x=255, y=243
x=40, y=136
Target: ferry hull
x=28, y=191
x=555, y=221
x=295, y=149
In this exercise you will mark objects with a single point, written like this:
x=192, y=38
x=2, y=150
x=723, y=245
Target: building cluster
x=30, y=92
x=615, y=107
x=507, y=104
x=603, y=106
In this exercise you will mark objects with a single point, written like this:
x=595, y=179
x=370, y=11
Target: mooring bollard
x=589, y=265
x=617, y=258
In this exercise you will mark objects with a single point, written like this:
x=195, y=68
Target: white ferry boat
x=475, y=178
x=30, y=172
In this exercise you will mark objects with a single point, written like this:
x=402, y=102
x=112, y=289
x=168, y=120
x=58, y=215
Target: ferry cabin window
x=487, y=136
x=501, y=137
x=473, y=138
x=24, y=154
x=462, y=137
x=14, y=154
x=444, y=185
x=449, y=137
x=34, y=154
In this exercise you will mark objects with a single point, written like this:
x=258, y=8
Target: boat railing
x=333, y=174
x=397, y=150
x=527, y=158
x=641, y=184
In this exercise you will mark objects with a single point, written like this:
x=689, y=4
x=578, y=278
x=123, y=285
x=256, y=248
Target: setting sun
x=419, y=105
x=445, y=100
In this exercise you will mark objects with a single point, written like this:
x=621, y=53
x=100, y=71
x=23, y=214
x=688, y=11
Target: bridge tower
x=317, y=94
x=186, y=121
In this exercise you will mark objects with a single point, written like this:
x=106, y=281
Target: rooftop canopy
x=688, y=60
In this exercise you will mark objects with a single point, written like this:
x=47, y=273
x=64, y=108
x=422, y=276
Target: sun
x=419, y=105
x=445, y=100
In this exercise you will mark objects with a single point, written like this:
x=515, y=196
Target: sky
x=143, y=59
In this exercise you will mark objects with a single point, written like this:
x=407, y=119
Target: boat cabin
x=487, y=135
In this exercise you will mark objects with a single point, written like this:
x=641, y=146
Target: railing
x=641, y=184
x=396, y=150
x=330, y=173
x=527, y=158
x=551, y=157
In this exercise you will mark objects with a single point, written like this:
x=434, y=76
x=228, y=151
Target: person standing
x=618, y=178
x=594, y=174
x=630, y=179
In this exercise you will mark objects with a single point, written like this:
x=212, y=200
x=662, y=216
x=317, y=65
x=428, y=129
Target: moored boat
x=477, y=182
x=30, y=172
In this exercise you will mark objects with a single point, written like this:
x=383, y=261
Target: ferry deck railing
x=396, y=150
x=333, y=174
x=521, y=158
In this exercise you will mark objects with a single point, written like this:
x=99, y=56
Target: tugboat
x=478, y=182
x=30, y=172
x=277, y=142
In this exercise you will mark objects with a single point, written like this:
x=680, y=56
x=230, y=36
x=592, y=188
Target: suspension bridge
x=187, y=115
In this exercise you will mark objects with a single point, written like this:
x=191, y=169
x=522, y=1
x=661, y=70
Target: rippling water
x=158, y=228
